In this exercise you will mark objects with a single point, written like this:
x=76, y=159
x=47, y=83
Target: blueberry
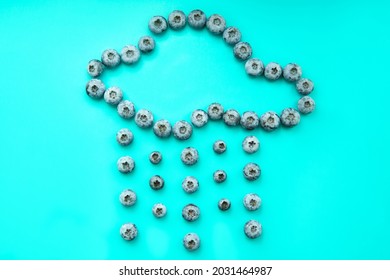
x=130, y=54
x=128, y=231
x=251, y=144
x=191, y=241
x=251, y=171
x=190, y=212
x=269, y=121
x=304, y=86
x=146, y=44
x=231, y=35
x=224, y=204
x=290, y=117
x=95, y=67
x=306, y=105
x=219, y=146
x=292, y=72
x=162, y=129
x=111, y=58
x=242, y=50
x=159, y=210
x=254, y=67
x=216, y=24
x=197, y=19
x=158, y=24
x=125, y=164
x=144, y=118
x=215, y=111
x=128, y=197
x=219, y=176
x=273, y=71
x=252, y=229
x=95, y=88
x=231, y=117
x=126, y=109
x=156, y=182
x=177, y=20
x=155, y=157
x=189, y=156
x=190, y=184
x=124, y=137
x=113, y=95
x=199, y=118
x=182, y=130
x=252, y=201
x=249, y=120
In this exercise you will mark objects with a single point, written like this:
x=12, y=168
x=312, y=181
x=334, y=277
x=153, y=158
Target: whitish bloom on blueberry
x=269, y=121
x=158, y=24
x=251, y=144
x=273, y=71
x=306, y=105
x=197, y=19
x=242, y=50
x=128, y=197
x=159, y=210
x=304, y=86
x=125, y=164
x=144, y=118
x=231, y=117
x=249, y=120
x=231, y=35
x=252, y=201
x=95, y=88
x=251, y=171
x=215, y=111
x=155, y=157
x=146, y=44
x=113, y=95
x=219, y=176
x=199, y=118
x=216, y=24
x=191, y=241
x=252, y=229
x=130, y=54
x=292, y=72
x=190, y=212
x=189, y=156
x=162, y=129
x=177, y=20
x=156, y=182
x=254, y=67
x=95, y=67
x=182, y=130
x=126, y=109
x=124, y=136
x=111, y=58
x=219, y=146
x=190, y=184
x=128, y=231
x=290, y=117
x=224, y=204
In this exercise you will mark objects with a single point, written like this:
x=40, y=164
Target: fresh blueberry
x=189, y=156
x=215, y=111
x=273, y=71
x=251, y=171
x=156, y=182
x=216, y=24
x=124, y=137
x=199, y=118
x=125, y=164
x=128, y=197
x=242, y=50
x=111, y=58
x=231, y=35
x=224, y=204
x=113, y=95
x=191, y=241
x=130, y=54
x=155, y=157
x=177, y=20
x=144, y=118
x=128, y=231
x=251, y=144
x=254, y=67
x=182, y=130
x=252, y=229
x=190, y=212
x=252, y=201
x=292, y=72
x=231, y=117
x=249, y=120
x=190, y=184
x=219, y=176
x=304, y=86
x=146, y=44
x=95, y=67
x=197, y=19
x=219, y=146
x=290, y=117
x=158, y=24
x=159, y=210
x=269, y=121
x=126, y=109
x=306, y=105
x=162, y=129
x=95, y=88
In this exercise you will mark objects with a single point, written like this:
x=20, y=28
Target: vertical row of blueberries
x=182, y=130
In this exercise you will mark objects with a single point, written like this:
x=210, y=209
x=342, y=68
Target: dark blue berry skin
x=95, y=88
x=249, y=120
x=273, y=71
x=215, y=111
x=111, y=58
x=242, y=51
x=216, y=24
x=177, y=20
x=162, y=129
x=182, y=130
x=158, y=24
x=292, y=72
x=197, y=19
x=290, y=117
x=231, y=117
x=306, y=105
x=231, y=35
x=95, y=67
x=146, y=44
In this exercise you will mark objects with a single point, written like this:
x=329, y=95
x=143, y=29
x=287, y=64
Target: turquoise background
x=325, y=184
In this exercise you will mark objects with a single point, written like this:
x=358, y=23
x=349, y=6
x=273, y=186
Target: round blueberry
x=254, y=67
x=189, y=156
x=292, y=72
x=95, y=67
x=144, y=118
x=128, y=197
x=126, y=109
x=146, y=44
x=215, y=111
x=306, y=105
x=199, y=118
x=125, y=164
x=242, y=50
x=156, y=182
x=304, y=86
x=273, y=71
x=95, y=88
x=250, y=144
x=190, y=212
x=232, y=35
x=113, y=95
x=130, y=54
x=162, y=129
x=219, y=146
x=159, y=210
x=249, y=120
x=182, y=130
x=190, y=184
x=124, y=137
x=269, y=121
x=290, y=117
x=219, y=176
x=224, y=204
x=111, y=58
x=191, y=241
x=252, y=229
x=128, y=231
x=252, y=201
x=177, y=20
x=231, y=117
x=158, y=24
x=251, y=171
x=197, y=19
x=216, y=24
x=155, y=157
